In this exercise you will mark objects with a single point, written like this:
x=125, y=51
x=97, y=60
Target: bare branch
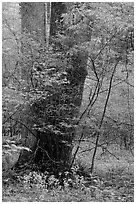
x=106, y=44
x=25, y=127
x=103, y=115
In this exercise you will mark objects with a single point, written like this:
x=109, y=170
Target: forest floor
x=114, y=182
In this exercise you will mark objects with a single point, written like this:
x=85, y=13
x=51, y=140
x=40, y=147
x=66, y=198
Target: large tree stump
x=51, y=147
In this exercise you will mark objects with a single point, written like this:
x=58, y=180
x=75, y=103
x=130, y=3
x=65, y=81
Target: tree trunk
x=49, y=147
x=33, y=19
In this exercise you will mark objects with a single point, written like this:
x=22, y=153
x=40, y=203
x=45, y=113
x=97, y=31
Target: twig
x=117, y=121
x=99, y=145
x=89, y=104
x=25, y=127
x=112, y=154
x=82, y=135
x=57, y=162
x=105, y=45
x=13, y=113
x=112, y=86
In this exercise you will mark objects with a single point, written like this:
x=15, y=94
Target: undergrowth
x=105, y=185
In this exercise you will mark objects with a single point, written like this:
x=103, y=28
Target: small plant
x=64, y=180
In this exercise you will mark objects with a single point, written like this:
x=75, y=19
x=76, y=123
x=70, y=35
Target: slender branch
x=112, y=86
x=105, y=45
x=20, y=106
x=25, y=127
x=120, y=122
x=96, y=92
x=57, y=162
x=128, y=83
x=128, y=99
x=112, y=154
x=82, y=135
x=124, y=80
x=89, y=104
x=93, y=68
x=103, y=115
x=99, y=145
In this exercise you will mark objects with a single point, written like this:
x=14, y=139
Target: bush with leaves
x=51, y=98
x=62, y=181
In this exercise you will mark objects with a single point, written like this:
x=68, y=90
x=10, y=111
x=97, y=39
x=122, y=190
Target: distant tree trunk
x=33, y=19
x=47, y=20
x=48, y=146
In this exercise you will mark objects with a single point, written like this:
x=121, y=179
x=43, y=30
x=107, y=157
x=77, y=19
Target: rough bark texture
x=49, y=147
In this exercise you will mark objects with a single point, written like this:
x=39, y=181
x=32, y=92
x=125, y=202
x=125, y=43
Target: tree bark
x=49, y=146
